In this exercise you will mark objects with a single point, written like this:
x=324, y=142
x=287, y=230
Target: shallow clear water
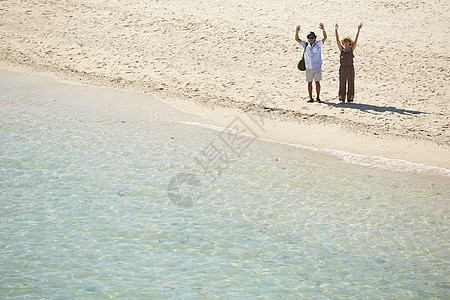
x=105, y=201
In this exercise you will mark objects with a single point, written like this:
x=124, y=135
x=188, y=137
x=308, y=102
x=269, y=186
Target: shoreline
x=330, y=139
x=225, y=60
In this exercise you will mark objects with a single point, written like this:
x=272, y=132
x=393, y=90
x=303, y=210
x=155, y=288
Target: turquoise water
x=105, y=201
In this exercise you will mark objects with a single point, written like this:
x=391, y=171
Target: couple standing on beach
x=313, y=62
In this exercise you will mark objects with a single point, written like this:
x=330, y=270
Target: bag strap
x=305, y=49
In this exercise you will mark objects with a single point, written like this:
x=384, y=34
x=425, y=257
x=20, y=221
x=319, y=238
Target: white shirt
x=313, y=54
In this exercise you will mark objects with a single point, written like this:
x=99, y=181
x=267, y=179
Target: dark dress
x=346, y=75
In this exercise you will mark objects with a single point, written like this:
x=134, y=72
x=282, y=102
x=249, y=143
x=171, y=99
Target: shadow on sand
x=373, y=109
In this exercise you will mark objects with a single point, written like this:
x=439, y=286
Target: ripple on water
x=85, y=213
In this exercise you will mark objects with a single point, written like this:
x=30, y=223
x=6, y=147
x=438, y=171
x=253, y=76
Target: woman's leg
x=351, y=85
x=342, y=84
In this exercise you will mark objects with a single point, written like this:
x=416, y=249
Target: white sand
x=216, y=57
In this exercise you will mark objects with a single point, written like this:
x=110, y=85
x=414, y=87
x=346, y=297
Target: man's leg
x=310, y=91
x=318, y=90
x=309, y=74
x=317, y=79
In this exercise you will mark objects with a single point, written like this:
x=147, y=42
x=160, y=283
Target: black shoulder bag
x=301, y=64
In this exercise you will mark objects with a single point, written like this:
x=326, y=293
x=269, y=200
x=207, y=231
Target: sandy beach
x=226, y=59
